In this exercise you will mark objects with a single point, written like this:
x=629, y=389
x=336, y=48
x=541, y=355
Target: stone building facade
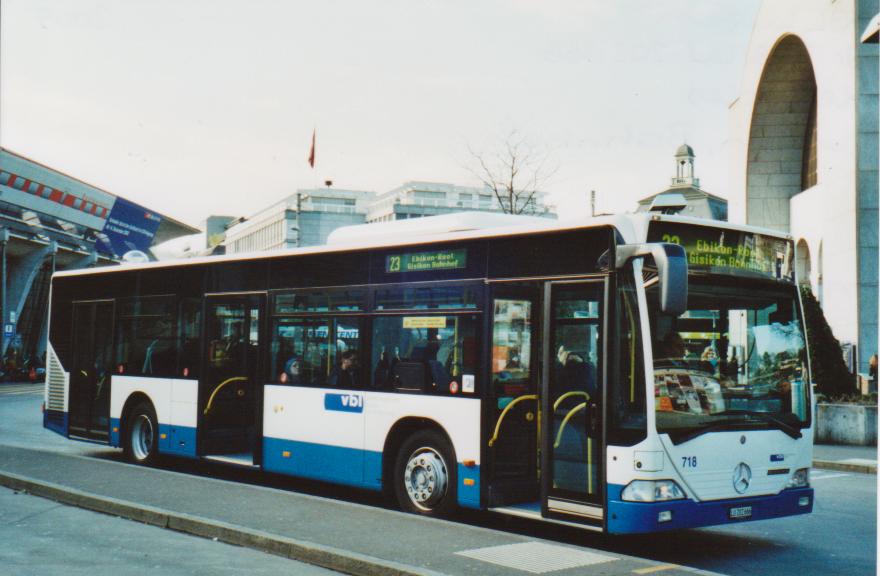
x=803, y=145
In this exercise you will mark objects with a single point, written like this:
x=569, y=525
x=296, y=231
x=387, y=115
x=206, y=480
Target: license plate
x=741, y=512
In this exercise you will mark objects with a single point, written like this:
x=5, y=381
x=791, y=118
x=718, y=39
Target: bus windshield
x=736, y=359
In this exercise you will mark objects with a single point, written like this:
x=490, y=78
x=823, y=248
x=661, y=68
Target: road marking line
x=814, y=477
x=659, y=568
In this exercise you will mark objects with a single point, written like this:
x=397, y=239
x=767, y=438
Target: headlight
x=652, y=491
x=800, y=479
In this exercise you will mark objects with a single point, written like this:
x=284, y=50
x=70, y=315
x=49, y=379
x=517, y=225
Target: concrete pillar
x=22, y=272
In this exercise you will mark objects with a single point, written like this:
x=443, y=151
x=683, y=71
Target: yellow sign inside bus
x=424, y=322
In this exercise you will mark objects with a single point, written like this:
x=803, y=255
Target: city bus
x=625, y=374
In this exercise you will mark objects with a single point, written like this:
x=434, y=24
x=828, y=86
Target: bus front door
x=229, y=392
x=91, y=370
x=513, y=408
x=572, y=483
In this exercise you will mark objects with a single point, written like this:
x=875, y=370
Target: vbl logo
x=344, y=402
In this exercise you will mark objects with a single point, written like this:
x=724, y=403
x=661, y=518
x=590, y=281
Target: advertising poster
x=130, y=226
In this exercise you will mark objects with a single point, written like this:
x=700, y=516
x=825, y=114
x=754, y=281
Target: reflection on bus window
x=425, y=353
x=512, y=347
x=732, y=354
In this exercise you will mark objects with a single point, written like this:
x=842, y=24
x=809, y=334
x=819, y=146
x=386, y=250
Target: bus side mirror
x=671, y=261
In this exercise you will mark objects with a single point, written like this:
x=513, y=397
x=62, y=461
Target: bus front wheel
x=142, y=435
x=424, y=475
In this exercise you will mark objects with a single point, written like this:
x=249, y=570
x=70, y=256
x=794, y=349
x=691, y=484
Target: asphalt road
x=840, y=537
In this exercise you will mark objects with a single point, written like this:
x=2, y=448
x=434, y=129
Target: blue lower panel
x=640, y=517
x=56, y=421
x=322, y=462
x=468, y=486
x=115, y=439
x=361, y=468
x=178, y=440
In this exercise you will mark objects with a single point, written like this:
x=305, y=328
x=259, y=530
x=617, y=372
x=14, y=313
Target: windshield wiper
x=781, y=424
x=732, y=424
x=691, y=433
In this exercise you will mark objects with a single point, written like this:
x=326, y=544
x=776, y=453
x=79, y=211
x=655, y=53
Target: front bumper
x=641, y=517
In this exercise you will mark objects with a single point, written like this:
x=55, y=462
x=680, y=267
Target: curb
x=300, y=550
x=844, y=466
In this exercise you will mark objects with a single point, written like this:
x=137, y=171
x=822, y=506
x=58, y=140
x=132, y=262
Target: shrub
x=829, y=371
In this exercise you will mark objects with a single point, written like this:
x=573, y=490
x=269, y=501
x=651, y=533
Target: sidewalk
x=344, y=536
x=845, y=458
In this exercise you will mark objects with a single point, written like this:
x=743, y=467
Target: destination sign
x=723, y=251
x=426, y=261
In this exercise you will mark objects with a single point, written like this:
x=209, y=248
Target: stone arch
x=802, y=262
x=782, y=152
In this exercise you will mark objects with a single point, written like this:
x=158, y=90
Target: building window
x=429, y=195
x=809, y=169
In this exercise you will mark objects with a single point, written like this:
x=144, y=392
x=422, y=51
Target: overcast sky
x=207, y=107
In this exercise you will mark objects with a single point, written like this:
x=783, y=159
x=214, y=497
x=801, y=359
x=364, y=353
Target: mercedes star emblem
x=742, y=477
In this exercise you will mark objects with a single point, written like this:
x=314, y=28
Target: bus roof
x=632, y=227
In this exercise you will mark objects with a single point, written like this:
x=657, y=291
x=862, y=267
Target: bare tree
x=514, y=173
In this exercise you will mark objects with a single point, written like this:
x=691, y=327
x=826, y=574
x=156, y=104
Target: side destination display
x=728, y=251
x=423, y=261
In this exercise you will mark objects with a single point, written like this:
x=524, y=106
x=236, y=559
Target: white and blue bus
x=625, y=374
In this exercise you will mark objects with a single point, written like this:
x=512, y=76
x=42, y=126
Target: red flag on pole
x=312, y=152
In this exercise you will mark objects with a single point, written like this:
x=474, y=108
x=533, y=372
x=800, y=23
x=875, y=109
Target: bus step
x=237, y=459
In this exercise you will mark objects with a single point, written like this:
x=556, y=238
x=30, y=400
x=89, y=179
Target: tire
x=141, y=435
x=425, y=480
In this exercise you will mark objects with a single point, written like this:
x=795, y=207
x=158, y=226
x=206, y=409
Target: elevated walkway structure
x=51, y=221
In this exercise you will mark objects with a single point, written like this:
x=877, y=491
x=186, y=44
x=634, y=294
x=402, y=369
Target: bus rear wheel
x=140, y=442
x=424, y=475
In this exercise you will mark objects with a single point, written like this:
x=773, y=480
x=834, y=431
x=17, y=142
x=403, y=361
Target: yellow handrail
x=217, y=389
x=569, y=395
x=504, y=413
x=565, y=420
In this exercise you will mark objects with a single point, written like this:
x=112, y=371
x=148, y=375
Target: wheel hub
x=425, y=478
x=142, y=437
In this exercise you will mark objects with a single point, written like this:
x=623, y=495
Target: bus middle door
x=572, y=480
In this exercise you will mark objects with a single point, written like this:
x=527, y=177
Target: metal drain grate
x=536, y=557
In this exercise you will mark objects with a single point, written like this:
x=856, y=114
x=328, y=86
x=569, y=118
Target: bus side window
x=345, y=365
x=626, y=391
x=425, y=354
x=146, y=336
x=301, y=351
x=190, y=338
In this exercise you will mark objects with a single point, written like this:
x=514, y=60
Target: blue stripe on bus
x=468, y=496
x=56, y=421
x=115, y=436
x=323, y=462
x=640, y=517
x=350, y=466
x=179, y=440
